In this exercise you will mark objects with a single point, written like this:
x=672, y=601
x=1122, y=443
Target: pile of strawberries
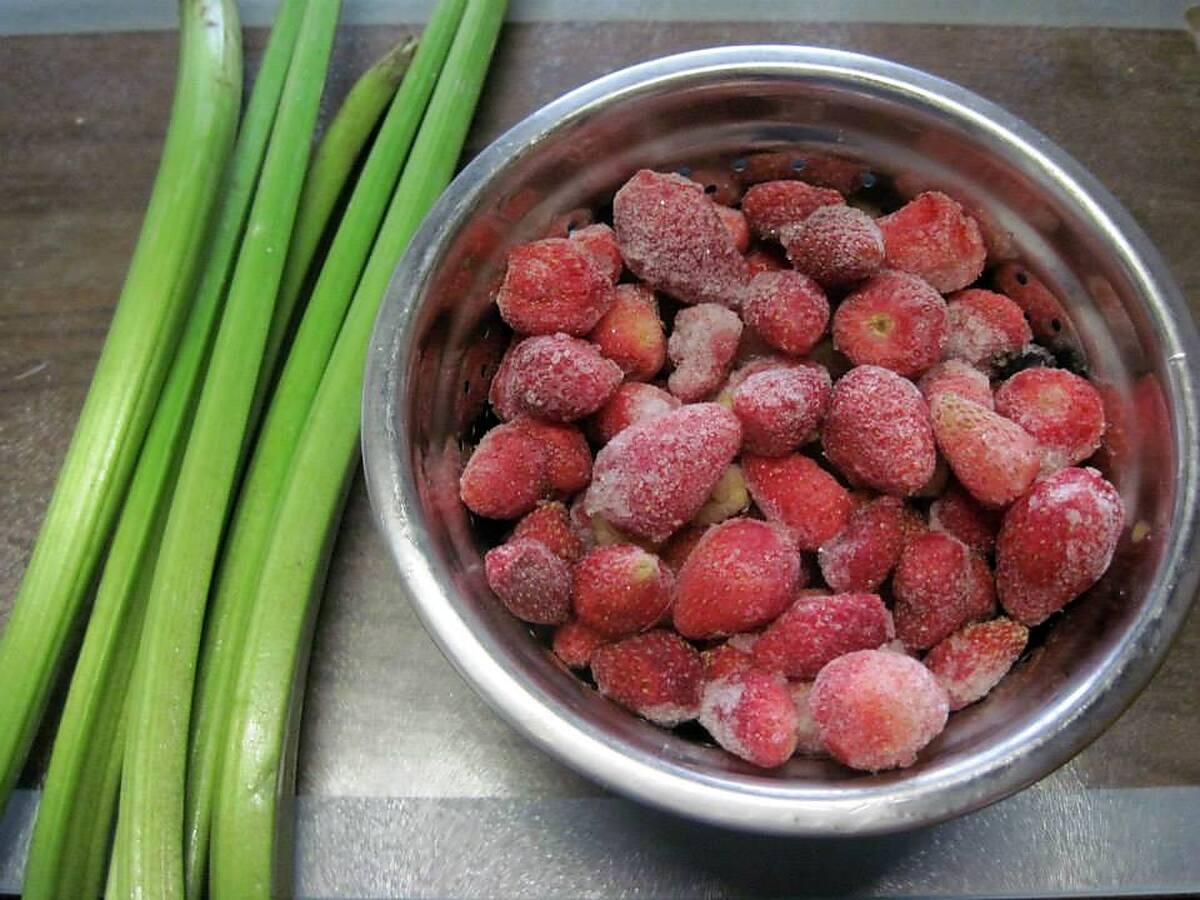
x=808, y=548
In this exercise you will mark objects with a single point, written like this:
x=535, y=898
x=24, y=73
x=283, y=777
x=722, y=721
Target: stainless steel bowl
x=436, y=337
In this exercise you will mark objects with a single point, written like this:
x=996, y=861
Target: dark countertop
x=386, y=807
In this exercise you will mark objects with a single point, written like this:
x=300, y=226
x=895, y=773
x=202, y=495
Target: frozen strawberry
x=980, y=589
x=983, y=326
x=959, y=377
x=780, y=409
x=756, y=364
x=729, y=498
x=787, y=309
x=581, y=523
x=600, y=242
x=1056, y=542
x=764, y=259
x=553, y=285
x=574, y=643
x=895, y=320
x=553, y=377
x=836, y=245
x=657, y=675
x=632, y=402
x=702, y=346
x=533, y=583
x=994, y=458
x=742, y=574
x=752, y=715
x=815, y=630
x=796, y=492
x=672, y=237
x=878, y=433
x=655, y=475
x=506, y=475
x=567, y=458
x=957, y=514
x=676, y=551
x=938, y=589
x=551, y=524
x=1063, y=412
x=1046, y=315
x=876, y=710
x=808, y=736
x=862, y=555
x=932, y=236
x=771, y=205
x=735, y=223
x=621, y=590
x=631, y=333
x=725, y=659
x=971, y=662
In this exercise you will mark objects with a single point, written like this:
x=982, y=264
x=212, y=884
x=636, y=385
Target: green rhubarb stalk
x=69, y=849
x=254, y=513
x=149, y=848
x=145, y=328
x=330, y=169
x=249, y=857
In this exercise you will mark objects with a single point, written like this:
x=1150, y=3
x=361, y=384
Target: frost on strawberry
x=631, y=333
x=894, y=320
x=984, y=325
x=553, y=285
x=938, y=588
x=752, y=715
x=551, y=524
x=994, y=458
x=815, y=630
x=1063, y=412
x=553, y=377
x=655, y=475
x=862, y=555
x=532, y=583
x=574, y=643
x=970, y=662
x=786, y=309
x=1056, y=542
x=657, y=675
x=672, y=237
x=632, y=402
x=621, y=589
x=836, y=245
x=702, y=346
x=933, y=237
x=782, y=408
x=798, y=494
x=773, y=205
x=956, y=376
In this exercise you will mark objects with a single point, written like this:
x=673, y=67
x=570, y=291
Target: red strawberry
x=983, y=325
x=780, y=409
x=655, y=475
x=742, y=574
x=808, y=736
x=878, y=433
x=553, y=285
x=672, y=237
x=568, y=460
x=787, y=309
x=533, y=583
x=836, y=245
x=957, y=514
x=751, y=714
x=702, y=346
x=1061, y=411
x=862, y=555
x=631, y=333
x=621, y=589
x=959, y=377
x=550, y=524
x=774, y=204
x=657, y=675
x=600, y=242
x=725, y=659
x=971, y=662
x=933, y=237
x=876, y=710
x=895, y=320
x=1056, y=542
x=737, y=226
x=553, y=377
x=796, y=492
x=506, y=475
x=1046, y=315
x=938, y=589
x=632, y=402
x=574, y=643
x=994, y=458
x=815, y=630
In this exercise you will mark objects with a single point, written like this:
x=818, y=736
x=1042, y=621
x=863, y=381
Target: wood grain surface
x=81, y=125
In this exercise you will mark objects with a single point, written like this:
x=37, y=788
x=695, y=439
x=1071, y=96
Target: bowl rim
x=979, y=778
